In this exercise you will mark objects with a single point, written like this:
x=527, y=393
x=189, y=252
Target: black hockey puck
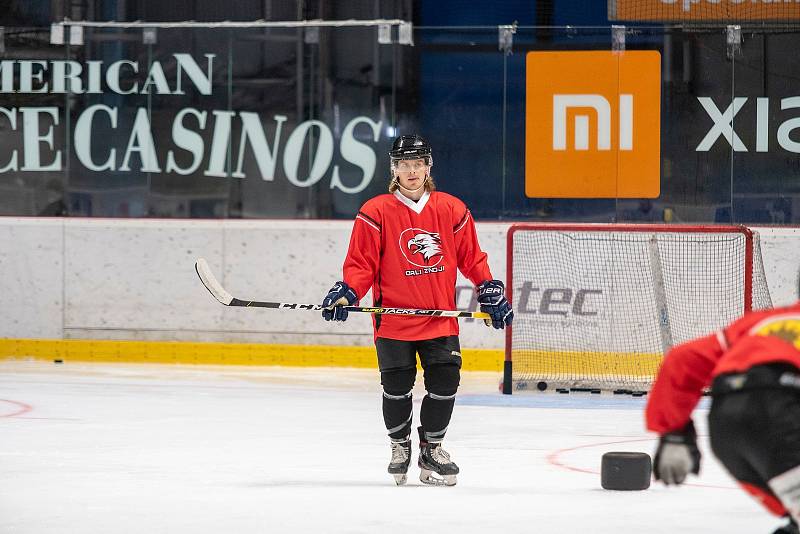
x=541, y=386
x=626, y=471
x=58, y=361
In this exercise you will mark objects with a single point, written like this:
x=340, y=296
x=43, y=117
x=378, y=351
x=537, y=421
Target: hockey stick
x=216, y=289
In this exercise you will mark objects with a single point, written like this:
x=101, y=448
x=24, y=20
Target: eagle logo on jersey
x=428, y=245
x=420, y=247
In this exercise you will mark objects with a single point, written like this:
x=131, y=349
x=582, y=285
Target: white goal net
x=598, y=305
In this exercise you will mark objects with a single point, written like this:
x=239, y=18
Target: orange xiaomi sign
x=592, y=124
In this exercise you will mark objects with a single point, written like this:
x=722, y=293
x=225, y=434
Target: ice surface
x=188, y=449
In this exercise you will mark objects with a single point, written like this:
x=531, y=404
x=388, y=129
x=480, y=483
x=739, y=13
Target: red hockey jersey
x=760, y=337
x=408, y=253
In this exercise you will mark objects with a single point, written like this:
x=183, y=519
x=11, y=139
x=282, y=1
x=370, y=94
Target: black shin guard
x=397, y=403
x=434, y=416
x=441, y=382
x=397, y=414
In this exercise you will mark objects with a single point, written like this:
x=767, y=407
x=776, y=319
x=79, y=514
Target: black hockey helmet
x=410, y=147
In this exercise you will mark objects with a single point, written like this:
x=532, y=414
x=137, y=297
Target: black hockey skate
x=789, y=528
x=401, y=457
x=434, y=459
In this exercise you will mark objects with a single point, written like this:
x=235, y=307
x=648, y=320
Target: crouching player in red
x=753, y=370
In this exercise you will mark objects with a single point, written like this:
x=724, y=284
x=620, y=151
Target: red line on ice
x=21, y=408
x=553, y=459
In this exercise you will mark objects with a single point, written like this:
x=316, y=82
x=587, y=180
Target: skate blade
x=400, y=479
x=426, y=477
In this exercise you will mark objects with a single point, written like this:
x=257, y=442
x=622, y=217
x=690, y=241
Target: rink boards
x=177, y=352
x=126, y=290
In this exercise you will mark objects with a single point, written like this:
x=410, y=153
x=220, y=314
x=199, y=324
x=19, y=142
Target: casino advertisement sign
x=207, y=142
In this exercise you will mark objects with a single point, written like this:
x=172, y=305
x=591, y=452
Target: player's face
x=411, y=172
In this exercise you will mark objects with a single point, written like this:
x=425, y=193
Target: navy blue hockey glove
x=677, y=455
x=340, y=295
x=492, y=298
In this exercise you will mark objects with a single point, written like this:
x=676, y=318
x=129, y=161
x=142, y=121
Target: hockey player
x=406, y=246
x=753, y=370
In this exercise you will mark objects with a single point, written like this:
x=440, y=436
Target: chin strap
x=424, y=182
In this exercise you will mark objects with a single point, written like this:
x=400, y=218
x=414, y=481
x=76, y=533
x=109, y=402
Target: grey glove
x=677, y=455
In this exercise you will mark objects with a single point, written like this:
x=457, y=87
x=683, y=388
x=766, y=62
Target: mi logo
x=592, y=124
x=602, y=110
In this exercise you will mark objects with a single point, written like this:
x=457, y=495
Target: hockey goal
x=596, y=306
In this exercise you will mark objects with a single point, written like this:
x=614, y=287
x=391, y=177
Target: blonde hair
x=430, y=185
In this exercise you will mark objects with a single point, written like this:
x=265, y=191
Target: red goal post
x=596, y=306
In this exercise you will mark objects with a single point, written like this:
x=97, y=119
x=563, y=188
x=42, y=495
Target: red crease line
x=21, y=408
